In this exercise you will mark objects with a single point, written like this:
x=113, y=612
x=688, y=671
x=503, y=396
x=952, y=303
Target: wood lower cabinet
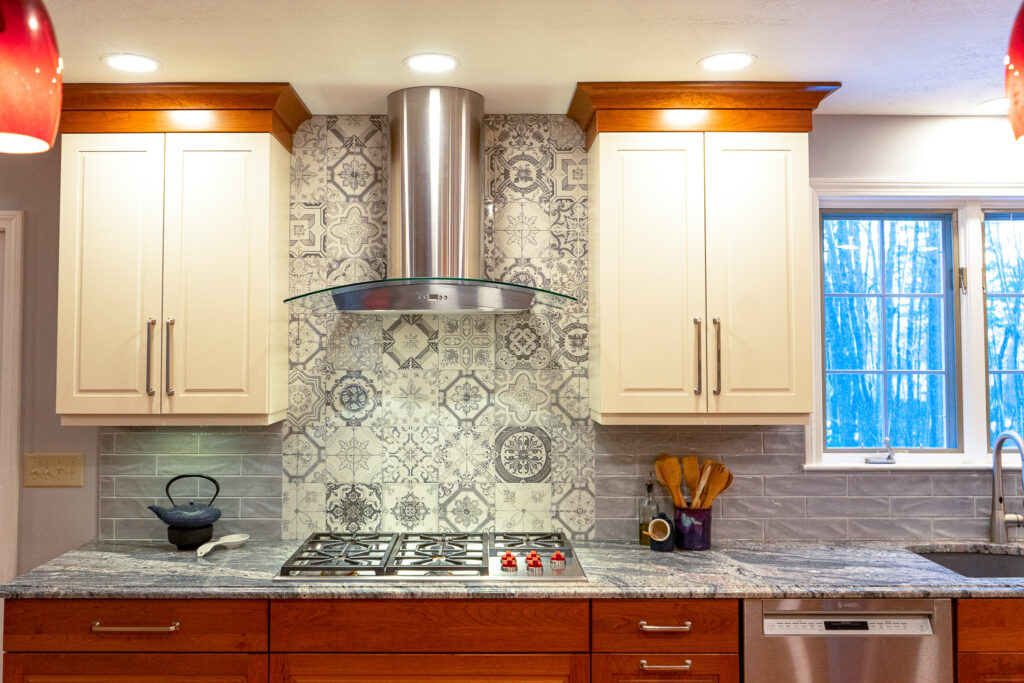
x=691, y=641
x=134, y=668
x=412, y=668
x=135, y=641
x=990, y=640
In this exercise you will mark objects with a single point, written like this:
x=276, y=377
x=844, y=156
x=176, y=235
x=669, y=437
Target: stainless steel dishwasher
x=847, y=641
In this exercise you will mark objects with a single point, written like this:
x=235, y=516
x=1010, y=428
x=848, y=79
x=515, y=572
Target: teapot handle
x=216, y=493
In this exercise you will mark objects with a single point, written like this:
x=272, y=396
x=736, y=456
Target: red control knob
x=558, y=560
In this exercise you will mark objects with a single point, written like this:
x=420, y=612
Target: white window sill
x=911, y=462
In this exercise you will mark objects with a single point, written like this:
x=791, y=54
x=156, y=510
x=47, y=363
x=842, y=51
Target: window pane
x=1005, y=333
x=915, y=333
x=1004, y=255
x=852, y=333
x=850, y=256
x=913, y=257
x=1006, y=403
x=917, y=414
x=853, y=411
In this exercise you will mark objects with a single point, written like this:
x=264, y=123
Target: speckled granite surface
x=148, y=569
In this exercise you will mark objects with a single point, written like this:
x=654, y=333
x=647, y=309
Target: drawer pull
x=644, y=626
x=96, y=628
x=665, y=667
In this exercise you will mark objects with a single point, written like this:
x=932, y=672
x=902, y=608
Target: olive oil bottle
x=648, y=510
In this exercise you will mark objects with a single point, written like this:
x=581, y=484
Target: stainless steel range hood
x=435, y=203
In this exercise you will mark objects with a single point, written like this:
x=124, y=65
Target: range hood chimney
x=435, y=206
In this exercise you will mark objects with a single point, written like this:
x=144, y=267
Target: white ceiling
x=344, y=56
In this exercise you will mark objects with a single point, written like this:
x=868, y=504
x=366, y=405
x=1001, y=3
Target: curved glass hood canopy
x=435, y=212
x=429, y=295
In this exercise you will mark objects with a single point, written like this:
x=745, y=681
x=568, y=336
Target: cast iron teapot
x=189, y=526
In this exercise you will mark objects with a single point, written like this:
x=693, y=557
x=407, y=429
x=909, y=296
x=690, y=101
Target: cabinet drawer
x=78, y=625
x=684, y=668
x=666, y=626
x=989, y=625
x=429, y=626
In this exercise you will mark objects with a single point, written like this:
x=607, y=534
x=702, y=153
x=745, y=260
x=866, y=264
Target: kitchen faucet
x=997, y=530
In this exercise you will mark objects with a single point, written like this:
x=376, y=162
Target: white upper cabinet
x=759, y=271
x=700, y=278
x=647, y=275
x=111, y=247
x=172, y=275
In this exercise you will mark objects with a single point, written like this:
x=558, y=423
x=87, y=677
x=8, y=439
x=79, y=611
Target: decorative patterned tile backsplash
x=482, y=422
x=426, y=422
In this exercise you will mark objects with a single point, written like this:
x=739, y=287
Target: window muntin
x=890, y=330
x=1004, y=320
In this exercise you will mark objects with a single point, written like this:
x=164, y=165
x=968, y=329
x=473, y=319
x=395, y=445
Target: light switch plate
x=54, y=470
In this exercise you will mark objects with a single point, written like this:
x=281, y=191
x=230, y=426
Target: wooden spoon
x=705, y=473
x=667, y=469
x=691, y=472
x=720, y=480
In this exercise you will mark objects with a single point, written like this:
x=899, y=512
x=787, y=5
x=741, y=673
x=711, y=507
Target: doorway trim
x=11, y=245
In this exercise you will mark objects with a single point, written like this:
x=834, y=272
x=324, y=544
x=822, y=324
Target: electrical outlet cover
x=54, y=470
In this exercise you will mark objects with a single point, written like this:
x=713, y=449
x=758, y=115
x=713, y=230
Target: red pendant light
x=1014, y=80
x=30, y=78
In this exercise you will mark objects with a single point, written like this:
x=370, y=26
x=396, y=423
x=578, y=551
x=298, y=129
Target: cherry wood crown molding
x=762, y=106
x=156, y=108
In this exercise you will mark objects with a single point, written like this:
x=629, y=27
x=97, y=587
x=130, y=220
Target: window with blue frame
x=889, y=312
x=1004, y=320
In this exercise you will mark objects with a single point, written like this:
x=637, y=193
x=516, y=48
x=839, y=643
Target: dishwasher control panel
x=847, y=625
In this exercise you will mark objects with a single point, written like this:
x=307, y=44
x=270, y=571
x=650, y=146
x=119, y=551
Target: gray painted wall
x=52, y=520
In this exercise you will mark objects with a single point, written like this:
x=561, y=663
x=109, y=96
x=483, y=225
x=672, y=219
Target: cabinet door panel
x=134, y=668
x=990, y=667
x=693, y=668
x=111, y=224
x=647, y=272
x=215, y=264
x=453, y=668
x=758, y=271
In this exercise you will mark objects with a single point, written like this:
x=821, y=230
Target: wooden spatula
x=669, y=473
x=719, y=480
x=705, y=474
x=691, y=473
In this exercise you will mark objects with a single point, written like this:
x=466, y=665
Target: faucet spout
x=997, y=528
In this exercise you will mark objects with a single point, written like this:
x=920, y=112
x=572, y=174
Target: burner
x=449, y=551
x=327, y=554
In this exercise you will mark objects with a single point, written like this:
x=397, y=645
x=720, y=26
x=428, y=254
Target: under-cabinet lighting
x=125, y=61
x=431, y=62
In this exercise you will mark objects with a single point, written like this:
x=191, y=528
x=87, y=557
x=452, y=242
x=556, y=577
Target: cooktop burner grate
x=555, y=540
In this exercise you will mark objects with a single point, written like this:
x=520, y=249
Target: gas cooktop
x=492, y=556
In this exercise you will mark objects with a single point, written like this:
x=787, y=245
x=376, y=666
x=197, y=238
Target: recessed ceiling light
x=728, y=61
x=431, y=62
x=124, y=61
x=999, y=105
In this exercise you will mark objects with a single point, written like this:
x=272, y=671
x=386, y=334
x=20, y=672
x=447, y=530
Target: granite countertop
x=150, y=569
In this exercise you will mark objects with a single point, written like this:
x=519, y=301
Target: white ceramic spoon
x=231, y=541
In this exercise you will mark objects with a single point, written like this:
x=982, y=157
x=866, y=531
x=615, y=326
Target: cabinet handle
x=718, y=353
x=167, y=383
x=150, y=325
x=665, y=667
x=685, y=626
x=96, y=628
x=700, y=372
